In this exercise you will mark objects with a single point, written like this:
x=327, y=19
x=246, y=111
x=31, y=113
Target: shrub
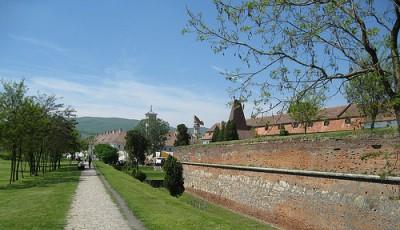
x=106, y=153
x=283, y=132
x=140, y=176
x=173, y=180
x=5, y=155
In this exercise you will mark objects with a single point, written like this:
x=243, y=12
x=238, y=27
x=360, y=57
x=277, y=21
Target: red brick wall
x=330, y=155
x=299, y=202
x=293, y=201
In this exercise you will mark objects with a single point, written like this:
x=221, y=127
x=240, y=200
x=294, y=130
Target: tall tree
x=136, y=146
x=221, y=135
x=36, y=130
x=369, y=94
x=292, y=45
x=231, y=131
x=215, y=136
x=306, y=110
x=155, y=131
x=182, y=137
x=173, y=180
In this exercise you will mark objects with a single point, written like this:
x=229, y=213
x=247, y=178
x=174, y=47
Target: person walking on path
x=90, y=160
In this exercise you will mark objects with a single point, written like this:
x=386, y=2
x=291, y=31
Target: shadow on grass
x=66, y=174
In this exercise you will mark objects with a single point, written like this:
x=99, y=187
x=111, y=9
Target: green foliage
x=5, y=155
x=183, y=137
x=369, y=94
x=140, y=175
x=306, y=109
x=90, y=126
x=283, y=132
x=215, y=136
x=302, y=47
x=106, y=153
x=221, y=135
x=155, y=131
x=34, y=129
x=136, y=145
x=173, y=180
x=230, y=132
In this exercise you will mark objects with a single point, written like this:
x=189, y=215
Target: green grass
x=40, y=202
x=360, y=133
x=158, y=210
x=151, y=173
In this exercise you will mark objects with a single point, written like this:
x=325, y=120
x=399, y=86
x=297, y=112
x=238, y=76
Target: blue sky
x=116, y=58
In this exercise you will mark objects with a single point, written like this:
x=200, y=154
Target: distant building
x=237, y=116
x=115, y=138
x=339, y=118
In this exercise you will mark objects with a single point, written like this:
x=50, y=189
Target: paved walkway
x=92, y=207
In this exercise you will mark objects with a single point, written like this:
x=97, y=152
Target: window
x=326, y=122
x=266, y=127
x=281, y=126
x=295, y=124
x=347, y=121
x=310, y=124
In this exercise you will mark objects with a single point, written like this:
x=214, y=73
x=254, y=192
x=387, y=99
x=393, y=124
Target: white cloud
x=127, y=98
x=37, y=42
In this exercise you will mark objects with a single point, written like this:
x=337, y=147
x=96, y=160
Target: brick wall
x=293, y=201
x=299, y=202
x=329, y=155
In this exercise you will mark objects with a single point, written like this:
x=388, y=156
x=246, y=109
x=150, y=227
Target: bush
x=106, y=153
x=283, y=132
x=173, y=180
x=140, y=176
x=5, y=155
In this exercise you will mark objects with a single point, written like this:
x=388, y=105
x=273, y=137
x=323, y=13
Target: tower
x=197, y=123
x=151, y=115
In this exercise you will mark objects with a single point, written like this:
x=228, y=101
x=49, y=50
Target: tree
x=369, y=94
x=182, y=138
x=306, y=110
x=155, y=131
x=221, y=135
x=34, y=129
x=298, y=46
x=215, y=136
x=136, y=146
x=173, y=180
x=106, y=153
x=231, y=131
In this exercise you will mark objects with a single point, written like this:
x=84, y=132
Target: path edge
x=132, y=220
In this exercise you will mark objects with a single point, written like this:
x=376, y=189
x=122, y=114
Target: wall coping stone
x=332, y=175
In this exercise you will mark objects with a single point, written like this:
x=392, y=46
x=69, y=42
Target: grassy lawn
x=36, y=202
x=151, y=173
x=158, y=210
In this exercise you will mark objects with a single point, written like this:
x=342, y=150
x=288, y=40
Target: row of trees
x=35, y=130
x=227, y=132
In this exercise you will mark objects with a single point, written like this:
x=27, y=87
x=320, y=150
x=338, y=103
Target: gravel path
x=92, y=207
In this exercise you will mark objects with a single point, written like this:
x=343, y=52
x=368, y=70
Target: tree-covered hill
x=89, y=126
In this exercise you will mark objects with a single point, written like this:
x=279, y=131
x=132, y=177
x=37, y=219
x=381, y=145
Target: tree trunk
x=397, y=114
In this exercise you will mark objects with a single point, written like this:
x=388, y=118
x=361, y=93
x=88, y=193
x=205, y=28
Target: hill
x=89, y=126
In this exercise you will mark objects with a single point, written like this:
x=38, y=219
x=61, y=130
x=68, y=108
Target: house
x=339, y=118
x=115, y=138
